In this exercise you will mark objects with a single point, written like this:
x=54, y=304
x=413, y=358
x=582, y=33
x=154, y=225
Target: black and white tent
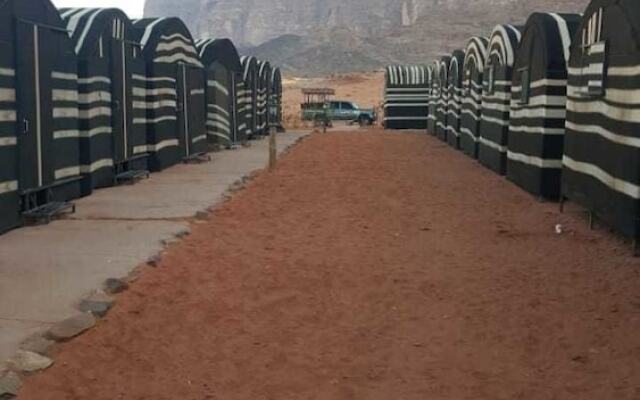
x=108, y=60
x=406, y=103
x=434, y=98
x=454, y=90
x=39, y=143
x=224, y=70
x=602, y=141
x=175, y=90
x=538, y=103
x=264, y=93
x=275, y=106
x=248, y=96
x=496, y=97
x=443, y=98
x=471, y=110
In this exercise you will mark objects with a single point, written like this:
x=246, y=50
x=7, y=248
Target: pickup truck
x=340, y=111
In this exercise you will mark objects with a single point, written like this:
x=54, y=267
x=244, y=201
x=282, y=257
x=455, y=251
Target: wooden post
x=273, y=150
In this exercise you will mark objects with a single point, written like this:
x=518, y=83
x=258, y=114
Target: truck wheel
x=365, y=121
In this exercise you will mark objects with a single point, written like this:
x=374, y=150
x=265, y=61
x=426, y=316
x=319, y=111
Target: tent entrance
x=190, y=84
x=36, y=178
x=125, y=161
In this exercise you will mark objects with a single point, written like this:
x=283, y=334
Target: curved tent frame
x=264, y=93
x=434, y=98
x=443, y=101
x=275, y=106
x=454, y=88
x=406, y=97
x=107, y=62
x=224, y=70
x=175, y=90
x=496, y=97
x=248, y=96
x=39, y=143
x=601, y=163
x=538, y=103
x=471, y=109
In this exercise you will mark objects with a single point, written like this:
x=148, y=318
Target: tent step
x=132, y=177
x=197, y=158
x=49, y=211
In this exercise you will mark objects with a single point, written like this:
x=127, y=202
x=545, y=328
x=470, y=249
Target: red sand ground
x=371, y=266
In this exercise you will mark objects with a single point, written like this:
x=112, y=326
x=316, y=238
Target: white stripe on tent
x=8, y=95
x=149, y=30
x=67, y=172
x=87, y=27
x=94, y=79
x=199, y=138
x=596, y=172
x=7, y=72
x=8, y=187
x=153, y=79
x=538, y=130
x=8, y=141
x=156, y=147
x=495, y=146
x=535, y=161
x=219, y=109
x=154, y=120
x=218, y=125
x=605, y=109
x=96, y=165
x=496, y=121
x=610, y=136
x=72, y=133
x=565, y=36
x=64, y=95
x=177, y=57
x=95, y=112
x=94, y=97
x=64, y=76
x=154, y=105
x=65, y=112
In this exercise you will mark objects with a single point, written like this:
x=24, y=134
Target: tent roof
x=503, y=44
x=166, y=40
x=554, y=32
x=86, y=25
x=476, y=52
x=219, y=50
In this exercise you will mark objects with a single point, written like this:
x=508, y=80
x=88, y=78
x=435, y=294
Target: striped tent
x=39, y=144
x=601, y=165
x=454, y=89
x=224, y=70
x=538, y=103
x=406, y=97
x=434, y=98
x=496, y=97
x=108, y=59
x=248, y=96
x=471, y=109
x=264, y=92
x=443, y=102
x=275, y=106
x=175, y=90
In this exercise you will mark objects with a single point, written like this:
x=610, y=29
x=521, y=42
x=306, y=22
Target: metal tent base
x=197, y=158
x=49, y=211
x=131, y=177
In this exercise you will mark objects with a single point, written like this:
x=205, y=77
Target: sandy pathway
x=371, y=266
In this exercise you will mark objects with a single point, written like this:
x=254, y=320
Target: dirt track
x=371, y=266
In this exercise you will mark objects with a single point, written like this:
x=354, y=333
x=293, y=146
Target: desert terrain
x=369, y=265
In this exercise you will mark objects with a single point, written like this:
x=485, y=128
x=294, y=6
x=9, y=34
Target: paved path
x=45, y=271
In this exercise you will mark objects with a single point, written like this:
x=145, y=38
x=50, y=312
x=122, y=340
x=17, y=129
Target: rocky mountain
x=313, y=37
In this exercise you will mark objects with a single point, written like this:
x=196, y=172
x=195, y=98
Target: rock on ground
x=27, y=361
x=71, y=327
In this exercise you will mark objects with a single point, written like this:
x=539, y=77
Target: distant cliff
x=324, y=36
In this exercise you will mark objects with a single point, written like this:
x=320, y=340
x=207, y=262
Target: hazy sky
x=133, y=8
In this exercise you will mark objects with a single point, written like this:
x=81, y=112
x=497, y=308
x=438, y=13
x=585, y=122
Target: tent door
x=119, y=100
x=183, y=108
x=29, y=87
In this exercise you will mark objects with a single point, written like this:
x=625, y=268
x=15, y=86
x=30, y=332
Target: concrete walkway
x=46, y=270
